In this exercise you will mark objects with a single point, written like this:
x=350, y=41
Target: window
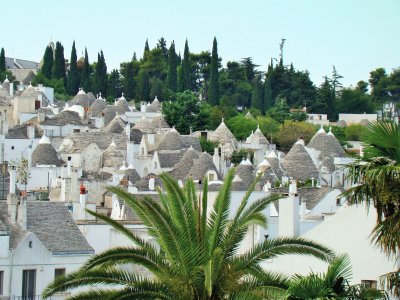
x=30, y=244
x=77, y=130
x=211, y=177
x=12, y=147
x=59, y=272
x=28, y=284
x=1, y=282
x=371, y=284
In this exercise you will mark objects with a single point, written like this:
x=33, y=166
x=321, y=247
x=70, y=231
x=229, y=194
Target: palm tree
x=196, y=256
x=377, y=180
x=331, y=285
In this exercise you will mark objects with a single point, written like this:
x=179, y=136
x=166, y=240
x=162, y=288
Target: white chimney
x=267, y=186
x=151, y=184
x=11, y=197
x=30, y=131
x=22, y=214
x=69, y=166
x=12, y=89
x=289, y=224
x=83, y=199
x=128, y=130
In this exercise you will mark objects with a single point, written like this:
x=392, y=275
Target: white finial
x=222, y=121
x=113, y=143
x=30, y=83
x=122, y=94
x=44, y=140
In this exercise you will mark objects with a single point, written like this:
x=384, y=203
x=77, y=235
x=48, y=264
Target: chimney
x=41, y=117
x=11, y=197
x=289, y=213
x=83, y=199
x=12, y=89
x=69, y=166
x=22, y=214
x=151, y=184
x=30, y=131
x=267, y=186
x=128, y=130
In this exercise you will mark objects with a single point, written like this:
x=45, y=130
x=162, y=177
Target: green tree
x=172, y=76
x=129, y=81
x=213, y=91
x=353, y=132
x=336, y=84
x=162, y=44
x=241, y=127
x=73, y=76
x=143, y=86
x=185, y=83
x=280, y=111
x=269, y=127
x=197, y=256
x=59, y=62
x=186, y=112
x=325, y=99
x=48, y=60
x=86, y=72
x=249, y=69
x=2, y=60
x=207, y=145
x=257, y=99
x=100, y=79
x=376, y=176
x=114, y=85
x=291, y=131
x=268, y=101
x=157, y=88
x=354, y=101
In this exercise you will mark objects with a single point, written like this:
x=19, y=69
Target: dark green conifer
x=2, y=61
x=48, y=61
x=73, y=75
x=268, y=101
x=129, y=83
x=185, y=69
x=85, y=78
x=257, y=100
x=213, y=91
x=100, y=75
x=59, y=62
x=144, y=86
x=172, y=76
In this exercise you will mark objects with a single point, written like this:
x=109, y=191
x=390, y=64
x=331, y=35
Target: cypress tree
x=185, y=69
x=268, y=101
x=144, y=86
x=59, y=62
x=100, y=75
x=48, y=60
x=257, y=100
x=73, y=76
x=213, y=91
x=2, y=60
x=114, y=84
x=85, y=78
x=129, y=83
x=146, y=50
x=172, y=68
x=180, y=79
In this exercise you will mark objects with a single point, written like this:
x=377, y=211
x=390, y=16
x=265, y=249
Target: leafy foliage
x=197, y=256
x=291, y=131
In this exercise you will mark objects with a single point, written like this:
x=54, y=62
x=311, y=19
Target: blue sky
x=356, y=36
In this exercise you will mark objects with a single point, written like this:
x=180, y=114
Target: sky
x=356, y=36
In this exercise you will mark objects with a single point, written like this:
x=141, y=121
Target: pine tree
x=257, y=100
x=73, y=75
x=268, y=101
x=162, y=44
x=2, y=60
x=100, y=75
x=213, y=91
x=144, y=86
x=59, y=62
x=85, y=78
x=48, y=61
x=146, y=50
x=129, y=83
x=172, y=68
x=185, y=69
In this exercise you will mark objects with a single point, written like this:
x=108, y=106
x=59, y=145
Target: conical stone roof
x=112, y=157
x=326, y=144
x=29, y=92
x=144, y=125
x=222, y=134
x=298, y=163
x=182, y=168
x=155, y=106
x=123, y=103
x=258, y=135
x=201, y=166
x=171, y=141
x=81, y=99
x=45, y=154
x=97, y=107
x=159, y=122
x=117, y=125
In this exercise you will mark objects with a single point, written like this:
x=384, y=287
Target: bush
x=353, y=132
x=237, y=156
x=291, y=131
x=207, y=145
